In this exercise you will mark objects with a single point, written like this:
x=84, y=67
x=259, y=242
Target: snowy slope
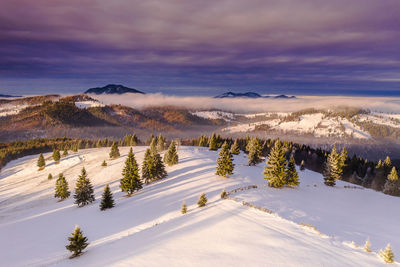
x=147, y=229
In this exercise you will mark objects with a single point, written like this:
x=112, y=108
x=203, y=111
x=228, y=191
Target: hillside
x=147, y=229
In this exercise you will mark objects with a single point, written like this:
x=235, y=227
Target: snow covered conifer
x=387, y=255
x=114, y=153
x=77, y=242
x=202, y=200
x=254, y=149
x=104, y=164
x=184, y=208
x=171, y=157
x=223, y=194
x=153, y=146
x=225, y=164
x=62, y=191
x=83, y=190
x=130, y=181
x=292, y=178
x=367, y=246
x=213, y=142
x=392, y=185
x=275, y=171
x=107, y=200
x=235, y=150
x=302, y=166
x=56, y=155
x=41, y=162
x=147, y=167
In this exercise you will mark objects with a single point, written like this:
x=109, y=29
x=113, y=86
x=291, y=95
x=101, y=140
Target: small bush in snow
x=104, y=164
x=77, y=242
x=202, y=200
x=367, y=246
x=184, y=208
x=387, y=254
x=223, y=194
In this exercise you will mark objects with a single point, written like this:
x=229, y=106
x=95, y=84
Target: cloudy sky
x=201, y=47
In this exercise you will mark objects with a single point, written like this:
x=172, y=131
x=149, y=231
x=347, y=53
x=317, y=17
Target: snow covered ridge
x=147, y=229
x=9, y=109
x=88, y=104
x=214, y=115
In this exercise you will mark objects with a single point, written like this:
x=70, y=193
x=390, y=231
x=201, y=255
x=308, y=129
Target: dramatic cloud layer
x=246, y=105
x=182, y=46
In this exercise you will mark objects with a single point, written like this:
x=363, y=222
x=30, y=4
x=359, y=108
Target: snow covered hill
x=147, y=229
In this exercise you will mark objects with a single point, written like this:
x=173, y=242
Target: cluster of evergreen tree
x=153, y=167
x=280, y=172
x=225, y=164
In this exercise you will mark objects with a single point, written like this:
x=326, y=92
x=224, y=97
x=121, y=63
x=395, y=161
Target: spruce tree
x=83, y=190
x=202, y=200
x=161, y=143
x=333, y=168
x=41, y=162
x=184, y=208
x=77, y=242
x=254, y=149
x=153, y=146
x=302, y=166
x=104, y=164
x=50, y=176
x=65, y=153
x=107, y=200
x=130, y=181
x=225, y=164
x=292, y=178
x=171, y=157
x=158, y=170
x=62, y=191
x=213, y=142
x=56, y=155
x=275, y=171
x=387, y=254
x=392, y=185
x=203, y=141
x=235, y=150
x=147, y=167
x=114, y=153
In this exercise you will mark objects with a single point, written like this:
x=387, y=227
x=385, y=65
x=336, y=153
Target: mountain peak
x=112, y=89
x=233, y=95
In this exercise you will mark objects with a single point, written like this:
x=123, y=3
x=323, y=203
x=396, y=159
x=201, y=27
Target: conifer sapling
x=50, y=176
x=184, y=208
x=62, y=191
x=367, y=246
x=107, y=200
x=223, y=194
x=114, y=153
x=56, y=156
x=104, y=164
x=202, y=200
x=387, y=255
x=225, y=164
x=41, y=162
x=83, y=190
x=77, y=242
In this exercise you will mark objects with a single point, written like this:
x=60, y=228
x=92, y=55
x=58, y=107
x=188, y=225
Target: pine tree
x=114, y=153
x=184, y=208
x=50, y=176
x=65, y=153
x=254, y=149
x=147, y=167
x=130, y=181
x=225, y=164
x=333, y=168
x=213, y=142
x=392, y=185
x=343, y=158
x=161, y=143
x=235, y=150
x=56, y=155
x=41, y=162
x=203, y=141
x=77, y=242
x=292, y=178
x=202, y=200
x=83, y=190
x=171, y=157
x=367, y=246
x=107, y=200
x=104, y=164
x=62, y=191
x=223, y=194
x=302, y=166
x=275, y=171
x=153, y=146
x=387, y=254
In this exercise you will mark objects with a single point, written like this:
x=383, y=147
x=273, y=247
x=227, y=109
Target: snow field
x=147, y=228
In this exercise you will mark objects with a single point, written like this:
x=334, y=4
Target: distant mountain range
x=10, y=95
x=112, y=89
x=249, y=95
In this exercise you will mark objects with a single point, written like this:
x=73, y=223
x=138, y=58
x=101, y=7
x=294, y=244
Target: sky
x=187, y=47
